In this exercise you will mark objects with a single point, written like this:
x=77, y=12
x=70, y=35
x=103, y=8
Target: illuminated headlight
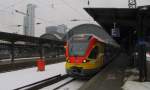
x=68, y=61
x=84, y=61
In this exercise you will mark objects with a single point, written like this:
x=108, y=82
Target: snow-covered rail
x=64, y=84
x=43, y=83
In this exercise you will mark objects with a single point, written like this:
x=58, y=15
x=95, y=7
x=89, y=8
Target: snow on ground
x=131, y=81
x=15, y=79
x=131, y=74
x=133, y=85
x=75, y=85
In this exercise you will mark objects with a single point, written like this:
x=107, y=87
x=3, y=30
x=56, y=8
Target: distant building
x=53, y=36
x=60, y=29
x=29, y=20
x=55, y=32
x=50, y=29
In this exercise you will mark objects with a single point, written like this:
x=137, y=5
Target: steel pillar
x=12, y=51
x=41, y=51
x=141, y=46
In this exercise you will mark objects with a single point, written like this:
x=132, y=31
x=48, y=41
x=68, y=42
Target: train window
x=78, y=48
x=94, y=53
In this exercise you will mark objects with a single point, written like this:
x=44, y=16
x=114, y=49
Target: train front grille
x=76, y=70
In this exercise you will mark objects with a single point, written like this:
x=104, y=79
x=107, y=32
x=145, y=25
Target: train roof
x=94, y=30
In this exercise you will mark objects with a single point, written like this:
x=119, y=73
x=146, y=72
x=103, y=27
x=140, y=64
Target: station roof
x=53, y=35
x=16, y=37
x=123, y=16
x=126, y=20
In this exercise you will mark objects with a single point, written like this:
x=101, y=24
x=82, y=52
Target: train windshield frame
x=78, y=45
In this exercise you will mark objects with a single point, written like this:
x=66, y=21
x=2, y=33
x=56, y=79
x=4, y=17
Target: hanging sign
x=115, y=32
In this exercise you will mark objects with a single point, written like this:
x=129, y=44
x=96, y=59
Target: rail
x=64, y=84
x=43, y=83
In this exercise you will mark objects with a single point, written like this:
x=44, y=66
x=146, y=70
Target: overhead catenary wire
x=75, y=10
x=46, y=5
x=43, y=4
x=72, y=8
x=12, y=5
x=44, y=20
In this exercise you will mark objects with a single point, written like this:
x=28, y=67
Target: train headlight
x=84, y=61
x=68, y=61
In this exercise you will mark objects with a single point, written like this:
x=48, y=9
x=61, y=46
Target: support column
x=12, y=51
x=41, y=51
x=141, y=47
x=131, y=49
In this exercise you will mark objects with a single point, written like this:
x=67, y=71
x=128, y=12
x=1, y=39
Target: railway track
x=58, y=87
x=48, y=82
x=43, y=83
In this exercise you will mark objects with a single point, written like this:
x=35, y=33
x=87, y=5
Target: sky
x=53, y=12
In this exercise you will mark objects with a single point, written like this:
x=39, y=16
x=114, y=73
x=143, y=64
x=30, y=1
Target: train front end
x=77, y=51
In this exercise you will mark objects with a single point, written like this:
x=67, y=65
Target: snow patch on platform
x=133, y=85
x=131, y=75
x=131, y=81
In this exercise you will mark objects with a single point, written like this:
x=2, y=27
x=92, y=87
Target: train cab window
x=94, y=53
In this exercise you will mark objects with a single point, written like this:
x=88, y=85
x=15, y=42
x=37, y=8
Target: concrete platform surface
x=111, y=77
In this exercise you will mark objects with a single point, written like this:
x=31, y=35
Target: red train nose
x=76, y=60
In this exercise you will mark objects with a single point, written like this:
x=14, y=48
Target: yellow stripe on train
x=83, y=65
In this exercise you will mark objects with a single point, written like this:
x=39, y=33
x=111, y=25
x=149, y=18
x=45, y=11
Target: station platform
x=7, y=65
x=111, y=77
